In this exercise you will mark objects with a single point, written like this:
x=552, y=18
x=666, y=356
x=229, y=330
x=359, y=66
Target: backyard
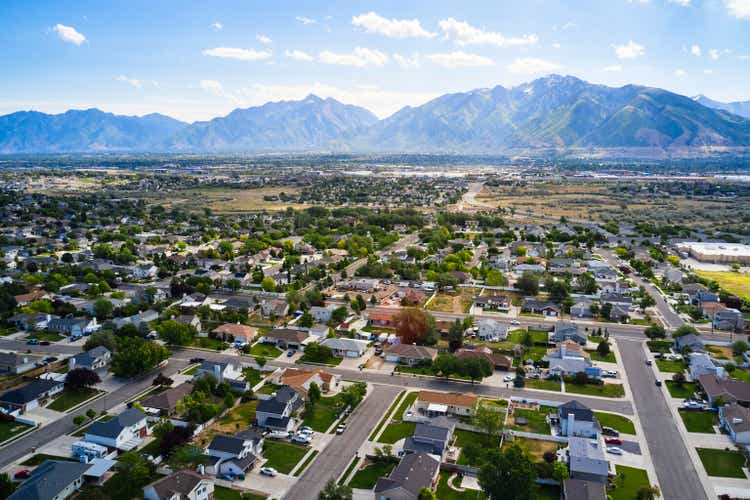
x=445, y=492
x=536, y=448
x=535, y=420
x=722, y=463
x=282, y=456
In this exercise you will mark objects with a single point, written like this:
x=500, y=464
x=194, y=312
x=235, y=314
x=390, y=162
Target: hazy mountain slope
x=741, y=108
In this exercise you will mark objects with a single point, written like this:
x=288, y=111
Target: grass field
x=68, y=399
x=617, y=422
x=49, y=336
x=722, y=463
x=627, y=483
x=659, y=345
x=546, y=385
x=670, y=366
x=266, y=350
x=366, y=477
x=10, y=429
x=209, y=343
x=322, y=415
x=282, y=456
x=604, y=390
x=395, y=431
x=595, y=356
x=222, y=200
x=683, y=391
x=536, y=448
x=252, y=375
x=224, y=493
x=736, y=283
x=699, y=421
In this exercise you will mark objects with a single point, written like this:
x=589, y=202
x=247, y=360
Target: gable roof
x=287, y=335
x=237, y=330
x=724, y=387
x=227, y=444
x=168, y=399
x=448, y=398
x=411, y=351
x=296, y=377
x=581, y=412
x=112, y=428
x=49, y=479
x=181, y=483
x=413, y=472
x=580, y=489
x=29, y=392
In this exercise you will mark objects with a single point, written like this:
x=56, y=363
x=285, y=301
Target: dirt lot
x=458, y=302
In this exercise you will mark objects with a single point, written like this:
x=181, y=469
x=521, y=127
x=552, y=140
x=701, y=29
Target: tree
x=508, y=473
x=606, y=310
x=490, y=423
x=494, y=278
x=318, y=353
x=603, y=348
x=79, y=419
x=188, y=456
x=685, y=330
x=654, y=331
x=647, y=301
x=306, y=320
x=91, y=413
x=413, y=325
x=175, y=333
x=455, y=336
x=528, y=283
x=558, y=290
x=648, y=493
x=7, y=486
x=587, y=283
x=339, y=314
x=103, y=309
x=81, y=378
x=334, y=491
x=426, y=494
x=740, y=346
x=679, y=378
x=136, y=356
x=234, y=284
x=268, y=284
x=104, y=338
x=313, y=394
x=560, y=471
x=475, y=368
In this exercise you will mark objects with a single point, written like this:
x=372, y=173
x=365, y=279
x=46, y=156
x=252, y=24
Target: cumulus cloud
x=392, y=28
x=630, y=50
x=236, y=53
x=69, y=34
x=708, y=72
x=696, y=50
x=531, y=65
x=136, y=83
x=616, y=68
x=462, y=33
x=716, y=53
x=738, y=8
x=305, y=20
x=681, y=3
x=360, y=57
x=406, y=62
x=680, y=72
x=263, y=39
x=459, y=59
x=299, y=55
x=217, y=26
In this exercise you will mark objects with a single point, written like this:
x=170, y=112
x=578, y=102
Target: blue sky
x=197, y=60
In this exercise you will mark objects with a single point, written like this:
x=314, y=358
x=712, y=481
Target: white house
x=93, y=359
x=322, y=314
x=491, y=330
x=124, y=432
x=182, y=485
x=234, y=454
x=701, y=364
x=224, y=372
x=346, y=348
x=577, y=419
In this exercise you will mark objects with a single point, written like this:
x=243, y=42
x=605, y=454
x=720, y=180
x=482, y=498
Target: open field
x=459, y=302
x=222, y=200
x=736, y=283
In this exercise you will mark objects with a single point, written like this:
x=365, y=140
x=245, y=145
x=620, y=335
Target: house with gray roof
x=124, y=432
x=564, y=330
x=702, y=364
x=586, y=460
x=52, y=480
x=580, y=489
x=345, y=347
x=184, y=484
x=93, y=359
x=277, y=412
x=414, y=472
x=16, y=363
x=36, y=393
x=735, y=419
x=431, y=438
x=73, y=327
x=691, y=340
x=577, y=419
x=234, y=455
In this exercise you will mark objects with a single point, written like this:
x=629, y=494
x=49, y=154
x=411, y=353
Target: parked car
x=508, y=378
x=301, y=439
x=340, y=429
x=614, y=450
x=22, y=474
x=268, y=471
x=33, y=341
x=306, y=428
x=50, y=359
x=289, y=353
x=197, y=360
x=657, y=382
x=515, y=322
x=693, y=405
x=277, y=435
x=609, y=431
x=613, y=440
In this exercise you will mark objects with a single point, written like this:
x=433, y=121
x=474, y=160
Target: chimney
x=217, y=372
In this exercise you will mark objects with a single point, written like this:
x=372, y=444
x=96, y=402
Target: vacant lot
x=459, y=302
x=736, y=283
x=238, y=200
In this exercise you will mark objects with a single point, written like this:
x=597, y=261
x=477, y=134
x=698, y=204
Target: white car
x=693, y=405
x=278, y=435
x=268, y=471
x=508, y=378
x=614, y=450
x=515, y=322
x=301, y=439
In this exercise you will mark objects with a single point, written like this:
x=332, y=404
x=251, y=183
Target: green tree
x=103, y=309
x=188, y=456
x=313, y=394
x=508, y=473
x=494, y=278
x=655, y=331
x=587, y=283
x=528, y=283
x=603, y=348
x=136, y=356
x=455, y=336
x=335, y=491
x=560, y=471
x=306, y=320
x=79, y=419
x=426, y=494
x=648, y=493
x=268, y=284
x=176, y=333
x=685, y=330
x=7, y=486
x=490, y=423
x=740, y=346
x=104, y=338
x=647, y=301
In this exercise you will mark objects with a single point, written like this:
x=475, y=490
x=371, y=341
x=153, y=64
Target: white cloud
x=305, y=20
x=681, y=3
x=531, y=65
x=743, y=58
x=217, y=26
x=738, y=8
x=458, y=59
x=616, y=68
x=263, y=39
x=69, y=34
x=212, y=86
x=360, y=57
x=716, y=53
x=680, y=72
x=136, y=83
x=556, y=45
x=298, y=55
x=708, y=72
x=696, y=50
x=392, y=28
x=235, y=53
x=406, y=62
x=630, y=50
x=462, y=33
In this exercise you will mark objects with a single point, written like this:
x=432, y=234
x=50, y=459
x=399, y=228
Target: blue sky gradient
x=197, y=60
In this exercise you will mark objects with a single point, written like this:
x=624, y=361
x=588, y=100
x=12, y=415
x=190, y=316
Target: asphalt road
x=22, y=346
x=334, y=459
x=674, y=467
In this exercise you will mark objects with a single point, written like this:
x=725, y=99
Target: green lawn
x=395, y=431
x=209, y=343
x=266, y=350
x=282, y=456
x=537, y=420
x=604, y=390
x=595, y=356
x=670, y=366
x=10, y=429
x=740, y=374
x=332, y=361
x=191, y=371
x=659, y=345
x=385, y=417
x=80, y=432
x=349, y=469
x=627, y=483
x=241, y=416
x=545, y=385
x=322, y=415
x=366, y=477
x=445, y=492
x=41, y=457
x=700, y=421
x=464, y=438
x=722, y=463
x=306, y=463
x=681, y=391
x=405, y=404
x=252, y=375
x=617, y=422
x=224, y=493
x=268, y=388
x=51, y=337
x=69, y=398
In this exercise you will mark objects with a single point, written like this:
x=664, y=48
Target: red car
x=22, y=474
x=613, y=440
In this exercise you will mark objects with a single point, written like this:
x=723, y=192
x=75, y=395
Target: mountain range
x=558, y=112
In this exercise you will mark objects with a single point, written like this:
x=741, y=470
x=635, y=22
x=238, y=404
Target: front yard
x=269, y=351
x=670, y=366
x=627, y=482
x=543, y=384
x=208, y=343
x=700, y=421
x=282, y=456
x=722, y=463
x=366, y=477
x=322, y=415
x=681, y=391
x=603, y=390
x=10, y=429
x=395, y=431
x=595, y=356
x=70, y=398
x=617, y=422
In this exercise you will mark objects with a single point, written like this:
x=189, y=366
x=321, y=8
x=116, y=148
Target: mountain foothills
x=551, y=112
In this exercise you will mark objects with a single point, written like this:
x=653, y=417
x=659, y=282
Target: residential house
x=234, y=455
x=736, y=421
x=691, y=340
x=432, y=438
x=93, y=359
x=381, y=318
x=491, y=331
x=441, y=403
x=73, y=327
x=142, y=318
x=580, y=489
x=498, y=361
x=725, y=390
x=619, y=313
x=237, y=332
x=493, y=302
x=286, y=338
x=31, y=321
x=301, y=379
x=543, y=307
x=409, y=354
x=729, y=319
x=52, y=480
x=274, y=308
x=124, y=432
x=576, y=419
x=181, y=485
x=190, y=320
x=616, y=299
x=35, y=394
x=16, y=363
x=322, y=314
x=703, y=296
x=586, y=460
x=702, y=364
x=567, y=331
x=277, y=412
x=224, y=372
x=345, y=347
x=569, y=358
x=414, y=472
x=25, y=298
x=165, y=403
x=581, y=309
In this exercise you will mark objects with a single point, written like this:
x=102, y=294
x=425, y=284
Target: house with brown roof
x=236, y=331
x=382, y=319
x=498, y=361
x=409, y=354
x=183, y=485
x=454, y=403
x=300, y=379
x=725, y=390
x=286, y=338
x=165, y=403
x=25, y=298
